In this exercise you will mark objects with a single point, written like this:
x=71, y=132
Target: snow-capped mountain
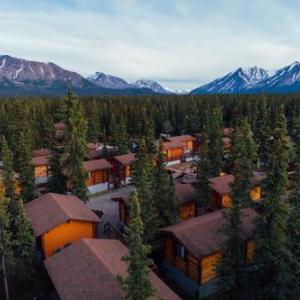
x=286, y=79
x=234, y=82
x=150, y=84
x=20, y=71
x=108, y=81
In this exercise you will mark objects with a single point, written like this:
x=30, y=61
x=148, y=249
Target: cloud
x=182, y=44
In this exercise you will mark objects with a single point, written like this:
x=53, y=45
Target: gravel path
x=109, y=208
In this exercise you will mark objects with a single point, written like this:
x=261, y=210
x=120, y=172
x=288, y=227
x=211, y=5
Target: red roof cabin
x=122, y=168
x=59, y=220
x=191, y=250
x=89, y=270
x=41, y=165
x=99, y=175
x=186, y=196
x=220, y=190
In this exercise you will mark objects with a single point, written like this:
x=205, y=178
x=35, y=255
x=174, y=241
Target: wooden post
x=3, y=265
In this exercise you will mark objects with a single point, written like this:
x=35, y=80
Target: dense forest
x=173, y=115
x=266, y=135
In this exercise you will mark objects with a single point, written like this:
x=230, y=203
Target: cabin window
x=89, y=174
x=180, y=250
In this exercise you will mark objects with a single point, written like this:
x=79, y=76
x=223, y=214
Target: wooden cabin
x=89, y=270
x=41, y=165
x=189, y=145
x=95, y=151
x=60, y=220
x=2, y=184
x=173, y=151
x=220, y=190
x=99, y=175
x=191, y=250
x=122, y=168
x=186, y=196
x=59, y=130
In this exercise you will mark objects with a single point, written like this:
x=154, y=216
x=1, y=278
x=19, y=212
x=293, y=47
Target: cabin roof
x=96, y=164
x=185, y=192
x=172, y=145
x=227, y=131
x=125, y=159
x=40, y=160
x=222, y=184
x=52, y=210
x=226, y=141
x=89, y=270
x=201, y=236
x=41, y=152
x=181, y=138
x=59, y=125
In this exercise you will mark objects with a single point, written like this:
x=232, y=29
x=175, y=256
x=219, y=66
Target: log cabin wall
x=174, y=154
x=96, y=177
x=187, y=210
x=41, y=171
x=208, y=267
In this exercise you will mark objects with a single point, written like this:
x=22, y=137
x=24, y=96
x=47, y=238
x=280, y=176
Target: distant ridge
x=254, y=80
x=26, y=77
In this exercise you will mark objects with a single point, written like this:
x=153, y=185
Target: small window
x=180, y=250
x=89, y=174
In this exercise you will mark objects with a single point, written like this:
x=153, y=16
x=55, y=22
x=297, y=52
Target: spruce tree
x=75, y=149
x=143, y=180
x=24, y=167
x=231, y=268
x=57, y=178
x=8, y=172
x=120, y=137
x=204, y=172
x=164, y=192
x=137, y=285
x=272, y=256
x=6, y=252
x=215, y=140
x=293, y=229
x=263, y=133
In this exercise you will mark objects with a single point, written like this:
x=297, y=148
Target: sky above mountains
x=179, y=43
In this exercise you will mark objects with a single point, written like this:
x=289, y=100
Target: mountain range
x=25, y=77
x=255, y=80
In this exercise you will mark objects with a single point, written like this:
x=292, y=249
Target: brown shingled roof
x=125, y=159
x=40, y=160
x=221, y=184
x=181, y=138
x=201, y=235
x=96, y=164
x=51, y=210
x=185, y=192
x=172, y=145
x=87, y=270
x=41, y=152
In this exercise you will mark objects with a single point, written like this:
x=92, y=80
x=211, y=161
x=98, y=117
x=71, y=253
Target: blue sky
x=180, y=43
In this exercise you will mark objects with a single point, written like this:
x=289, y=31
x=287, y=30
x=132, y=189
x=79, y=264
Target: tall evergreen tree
x=272, y=256
x=143, y=180
x=232, y=264
x=75, y=149
x=137, y=285
x=57, y=178
x=8, y=173
x=204, y=172
x=263, y=132
x=120, y=136
x=24, y=167
x=215, y=140
x=164, y=192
